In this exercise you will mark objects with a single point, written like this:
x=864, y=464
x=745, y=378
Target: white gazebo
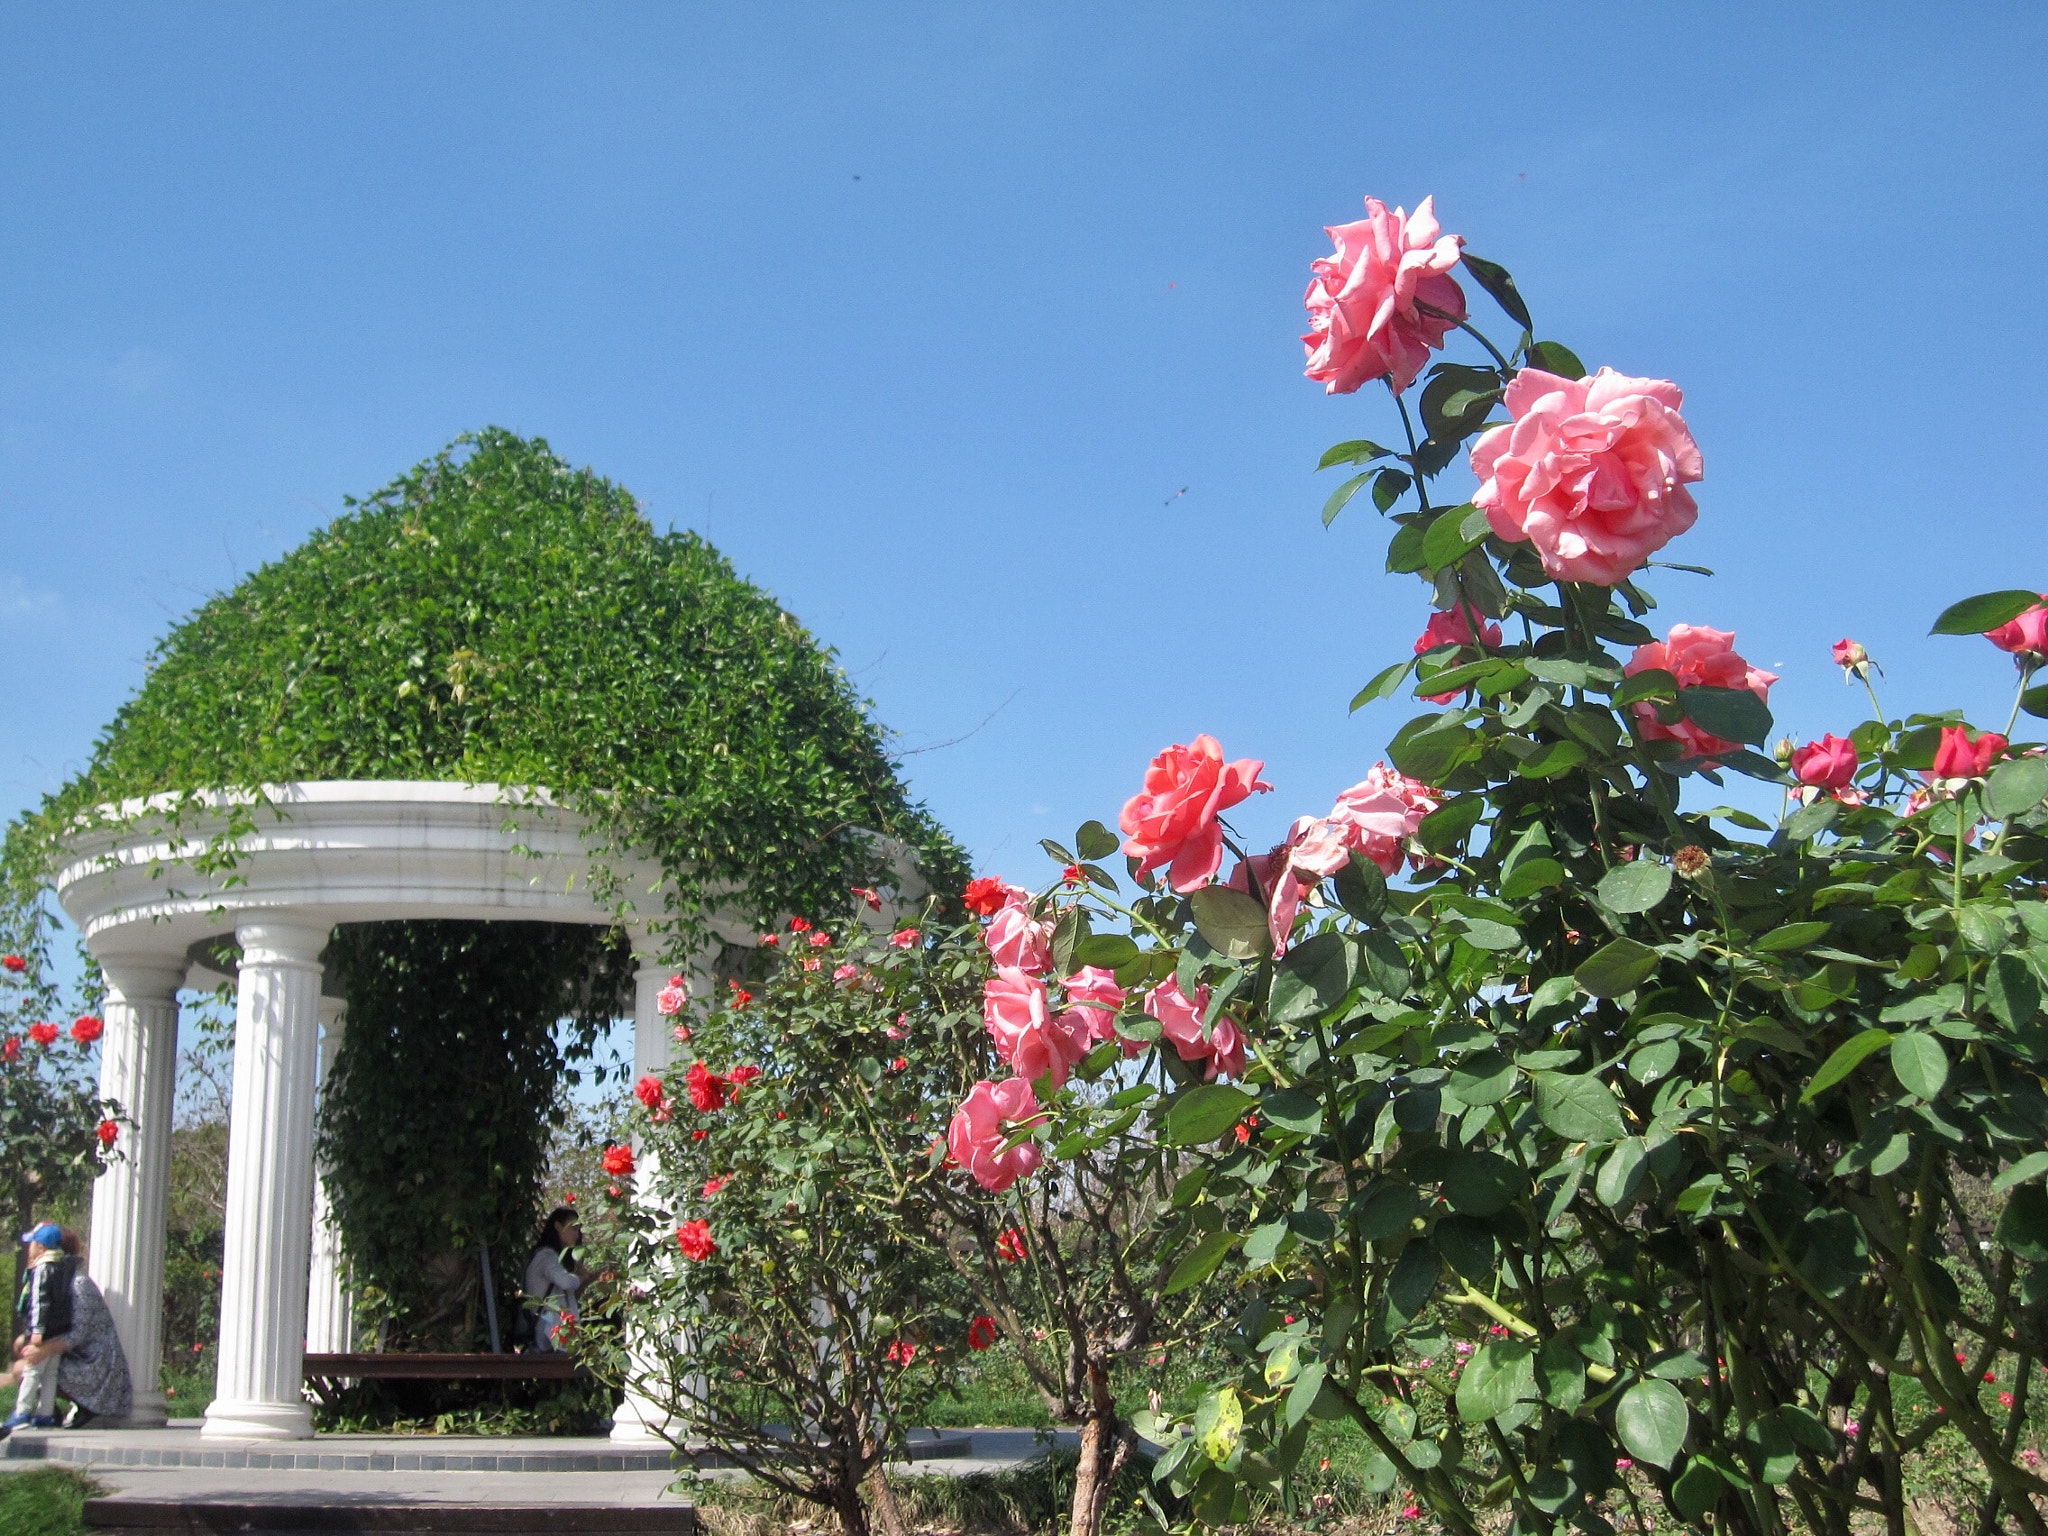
x=152, y=903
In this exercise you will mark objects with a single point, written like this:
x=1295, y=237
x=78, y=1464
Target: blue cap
x=49, y=1234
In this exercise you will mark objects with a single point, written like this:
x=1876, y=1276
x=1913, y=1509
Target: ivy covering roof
x=496, y=615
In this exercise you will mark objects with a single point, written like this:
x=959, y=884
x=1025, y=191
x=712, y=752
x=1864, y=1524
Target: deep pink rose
x=1698, y=657
x=2026, y=636
x=1453, y=626
x=1829, y=763
x=1962, y=756
x=1593, y=471
x=1015, y=939
x=983, y=1123
x=1180, y=1021
x=1028, y=1038
x=1173, y=819
x=1370, y=301
x=1093, y=999
x=1849, y=655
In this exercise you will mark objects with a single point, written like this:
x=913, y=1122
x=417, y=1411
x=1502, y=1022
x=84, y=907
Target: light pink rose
x=1028, y=1038
x=1093, y=999
x=1698, y=657
x=1173, y=819
x=981, y=1125
x=2026, y=636
x=1370, y=300
x=1015, y=939
x=1314, y=850
x=1381, y=813
x=1592, y=471
x=1453, y=626
x=1180, y=1021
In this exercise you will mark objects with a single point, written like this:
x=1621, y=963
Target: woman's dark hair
x=549, y=1238
x=71, y=1244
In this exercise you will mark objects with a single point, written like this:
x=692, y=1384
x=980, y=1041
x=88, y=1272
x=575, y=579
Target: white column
x=258, y=1390
x=330, y=1320
x=139, y=1072
x=654, y=1047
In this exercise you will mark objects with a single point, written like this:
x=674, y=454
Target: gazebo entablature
x=148, y=887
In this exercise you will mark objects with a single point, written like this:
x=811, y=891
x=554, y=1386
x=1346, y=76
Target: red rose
x=1961, y=757
x=107, y=1130
x=618, y=1161
x=43, y=1034
x=86, y=1028
x=713, y=1186
x=799, y=925
x=707, y=1088
x=1010, y=1245
x=981, y=1333
x=872, y=898
x=904, y=938
x=740, y=995
x=985, y=897
x=14, y=963
x=694, y=1238
x=901, y=1353
x=771, y=940
x=648, y=1091
x=11, y=1050
x=739, y=1077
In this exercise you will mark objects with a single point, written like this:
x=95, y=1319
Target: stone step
x=119, y=1516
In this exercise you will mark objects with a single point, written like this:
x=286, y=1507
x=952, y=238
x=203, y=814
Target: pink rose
x=2026, y=636
x=1380, y=814
x=1180, y=1021
x=1313, y=850
x=1962, y=757
x=1173, y=820
x=984, y=1122
x=1849, y=655
x=1698, y=657
x=1093, y=999
x=1383, y=300
x=1593, y=471
x=1029, y=1040
x=1453, y=626
x=1016, y=940
x=673, y=998
x=1829, y=763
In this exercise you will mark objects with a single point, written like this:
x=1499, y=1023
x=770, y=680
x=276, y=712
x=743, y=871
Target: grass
x=47, y=1500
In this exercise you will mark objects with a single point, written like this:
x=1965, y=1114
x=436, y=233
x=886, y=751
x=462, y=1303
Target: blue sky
x=927, y=315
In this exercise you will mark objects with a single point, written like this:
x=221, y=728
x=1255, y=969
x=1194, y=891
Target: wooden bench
x=326, y=1372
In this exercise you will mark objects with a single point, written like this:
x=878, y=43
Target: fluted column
x=330, y=1320
x=654, y=1047
x=139, y=1072
x=258, y=1391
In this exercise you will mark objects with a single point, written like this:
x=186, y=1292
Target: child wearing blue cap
x=45, y=1312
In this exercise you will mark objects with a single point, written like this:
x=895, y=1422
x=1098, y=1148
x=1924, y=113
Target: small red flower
x=740, y=996
x=87, y=1028
x=698, y=1135
x=771, y=940
x=713, y=1186
x=819, y=940
x=11, y=1050
x=1010, y=1246
x=739, y=1077
x=1243, y=1129
x=902, y=1352
x=985, y=897
x=1991, y=1375
x=569, y=1198
x=981, y=1333
x=2005, y=1399
x=612, y=1190
x=899, y=1064
x=1072, y=875
x=707, y=1088
x=106, y=1130
x=649, y=1091
x=618, y=1161
x=872, y=898
x=905, y=938
x=799, y=925
x=43, y=1034
x=694, y=1238
x=14, y=963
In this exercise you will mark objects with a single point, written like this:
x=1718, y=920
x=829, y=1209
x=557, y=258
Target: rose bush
x=1574, y=1142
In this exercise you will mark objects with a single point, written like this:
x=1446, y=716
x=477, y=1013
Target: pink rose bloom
x=1380, y=814
x=1029, y=1040
x=1698, y=657
x=1369, y=301
x=1962, y=757
x=1313, y=851
x=673, y=998
x=1093, y=1000
x=983, y=1123
x=1593, y=471
x=2026, y=636
x=1173, y=819
x=1452, y=626
x=1180, y=1021
x=846, y=972
x=1015, y=940
x=1849, y=655
x=1829, y=763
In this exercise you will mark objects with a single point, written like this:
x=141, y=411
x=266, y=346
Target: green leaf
x=2035, y=701
x=1108, y=950
x=2018, y=785
x=1808, y=822
x=1387, y=487
x=1456, y=530
x=1293, y=1110
x=1340, y=497
x=1844, y=1059
x=1201, y=1114
x=1984, y=612
x=1446, y=827
x=1095, y=841
x=1619, y=966
x=1358, y=451
x=1202, y=1262
x=1555, y=357
x=1920, y=1064
x=1233, y=923
x=1650, y=683
x=2027, y=1169
x=1561, y=1373
x=1480, y=1183
x=1413, y=1279
x=1734, y=714
x=1362, y=889
x=1529, y=876
x=1467, y=1245
x=1485, y=1077
x=1622, y=1173
x=1652, y=1420
x=1384, y=685
x=1307, y=1388
x=2023, y=1226
x=1500, y=287
x=1501, y=1373
x=1635, y=887
x=1315, y=977
x=1697, y=1490
x=1578, y=1107
x=1792, y=936
x=1551, y=759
